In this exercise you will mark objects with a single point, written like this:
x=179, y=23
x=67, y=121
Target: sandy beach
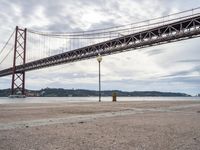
x=107, y=125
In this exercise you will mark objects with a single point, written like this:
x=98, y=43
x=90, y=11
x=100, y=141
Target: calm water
x=5, y=100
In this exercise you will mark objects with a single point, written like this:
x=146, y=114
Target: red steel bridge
x=28, y=49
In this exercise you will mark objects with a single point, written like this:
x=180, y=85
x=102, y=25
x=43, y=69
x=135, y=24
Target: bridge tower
x=18, y=78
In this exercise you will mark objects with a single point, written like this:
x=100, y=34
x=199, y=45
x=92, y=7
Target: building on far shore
x=32, y=94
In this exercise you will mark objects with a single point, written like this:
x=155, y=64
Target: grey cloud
x=64, y=75
x=179, y=73
x=5, y=82
x=62, y=26
x=155, y=52
x=104, y=24
x=189, y=61
x=183, y=73
x=195, y=80
x=73, y=85
x=78, y=75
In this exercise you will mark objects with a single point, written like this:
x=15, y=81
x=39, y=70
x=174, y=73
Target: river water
x=5, y=100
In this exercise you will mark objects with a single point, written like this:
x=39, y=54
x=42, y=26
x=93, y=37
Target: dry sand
x=84, y=126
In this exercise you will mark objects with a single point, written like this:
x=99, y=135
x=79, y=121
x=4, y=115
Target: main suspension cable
x=120, y=28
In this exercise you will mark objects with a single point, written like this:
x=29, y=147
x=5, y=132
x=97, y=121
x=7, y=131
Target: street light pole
x=99, y=81
x=99, y=59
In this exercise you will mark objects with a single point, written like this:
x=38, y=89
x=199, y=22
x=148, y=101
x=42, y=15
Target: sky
x=173, y=67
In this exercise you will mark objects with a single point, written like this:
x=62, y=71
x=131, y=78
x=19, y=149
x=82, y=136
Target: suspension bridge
x=28, y=49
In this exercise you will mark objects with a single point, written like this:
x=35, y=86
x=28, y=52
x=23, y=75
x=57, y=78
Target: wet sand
x=107, y=125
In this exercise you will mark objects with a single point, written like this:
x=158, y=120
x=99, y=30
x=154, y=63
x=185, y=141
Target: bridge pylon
x=18, y=78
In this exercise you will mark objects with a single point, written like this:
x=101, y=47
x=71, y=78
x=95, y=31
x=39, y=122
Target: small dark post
x=114, y=96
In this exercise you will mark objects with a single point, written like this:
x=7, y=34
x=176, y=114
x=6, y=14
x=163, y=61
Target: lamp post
x=99, y=59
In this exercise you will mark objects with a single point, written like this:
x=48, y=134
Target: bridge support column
x=18, y=78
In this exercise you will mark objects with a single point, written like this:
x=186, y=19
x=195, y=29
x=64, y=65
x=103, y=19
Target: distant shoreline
x=58, y=92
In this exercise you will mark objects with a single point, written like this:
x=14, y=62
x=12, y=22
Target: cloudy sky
x=173, y=67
